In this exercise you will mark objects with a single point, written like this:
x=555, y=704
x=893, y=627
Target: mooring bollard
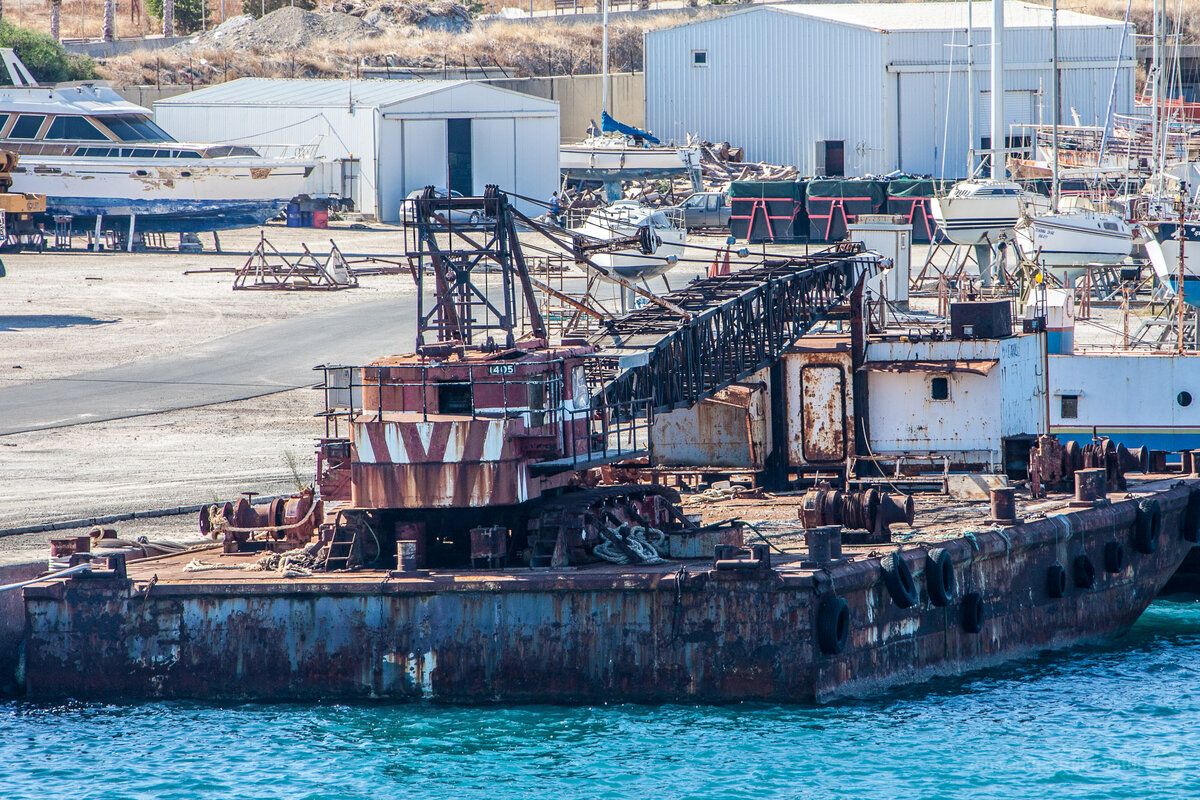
x=1004, y=505
x=1091, y=487
x=824, y=545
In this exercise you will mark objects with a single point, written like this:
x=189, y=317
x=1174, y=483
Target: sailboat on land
x=1069, y=238
x=983, y=211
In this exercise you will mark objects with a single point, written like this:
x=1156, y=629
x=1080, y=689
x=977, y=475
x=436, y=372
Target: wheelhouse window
x=64, y=127
x=27, y=126
x=135, y=128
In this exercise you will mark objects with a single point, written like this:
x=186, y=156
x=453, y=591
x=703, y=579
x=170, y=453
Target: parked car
x=457, y=216
x=705, y=210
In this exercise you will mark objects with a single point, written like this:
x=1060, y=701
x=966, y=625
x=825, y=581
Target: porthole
x=1184, y=399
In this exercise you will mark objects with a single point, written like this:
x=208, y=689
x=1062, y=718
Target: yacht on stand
x=627, y=218
x=1072, y=235
x=1070, y=240
x=621, y=152
x=97, y=156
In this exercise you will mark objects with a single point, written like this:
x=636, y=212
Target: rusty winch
x=869, y=510
x=1053, y=464
x=282, y=524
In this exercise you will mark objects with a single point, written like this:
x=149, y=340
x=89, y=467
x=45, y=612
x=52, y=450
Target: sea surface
x=1114, y=721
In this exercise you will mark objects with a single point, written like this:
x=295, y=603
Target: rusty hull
x=677, y=632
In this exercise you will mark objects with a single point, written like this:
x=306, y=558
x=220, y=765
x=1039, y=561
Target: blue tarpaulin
x=610, y=125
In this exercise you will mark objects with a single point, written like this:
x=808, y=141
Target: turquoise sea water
x=1122, y=720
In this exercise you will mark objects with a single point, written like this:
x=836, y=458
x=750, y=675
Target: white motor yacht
x=95, y=154
x=625, y=218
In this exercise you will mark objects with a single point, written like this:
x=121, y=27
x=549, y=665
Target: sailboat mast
x=998, y=166
x=604, y=59
x=1156, y=117
x=1054, y=190
x=970, y=96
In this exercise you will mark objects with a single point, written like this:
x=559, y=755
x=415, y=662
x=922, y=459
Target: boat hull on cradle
x=166, y=195
x=976, y=220
x=1072, y=241
x=615, y=163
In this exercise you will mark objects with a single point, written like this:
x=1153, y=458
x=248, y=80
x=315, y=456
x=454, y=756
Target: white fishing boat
x=94, y=154
x=627, y=218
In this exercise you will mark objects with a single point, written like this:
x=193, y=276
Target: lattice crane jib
x=738, y=324
x=468, y=247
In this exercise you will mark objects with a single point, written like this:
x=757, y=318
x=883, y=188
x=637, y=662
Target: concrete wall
x=149, y=95
x=580, y=99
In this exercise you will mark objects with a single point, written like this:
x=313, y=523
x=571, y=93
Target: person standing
x=555, y=209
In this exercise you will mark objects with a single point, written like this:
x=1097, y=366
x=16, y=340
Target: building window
x=1070, y=406
x=699, y=58
x=939, y=388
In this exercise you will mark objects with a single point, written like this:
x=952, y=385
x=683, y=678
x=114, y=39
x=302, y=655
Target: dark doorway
x=833, y=157
x=458, y=156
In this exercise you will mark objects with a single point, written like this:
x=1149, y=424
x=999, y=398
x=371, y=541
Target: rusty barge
x=492, y=522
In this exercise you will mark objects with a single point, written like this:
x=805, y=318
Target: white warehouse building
x=857, y=89
x=376, y=141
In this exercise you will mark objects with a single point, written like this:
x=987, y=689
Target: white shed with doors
x=870, y=88
x=376, y=141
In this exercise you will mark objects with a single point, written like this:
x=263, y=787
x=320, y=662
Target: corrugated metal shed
x=379, y=140
x=886, y=80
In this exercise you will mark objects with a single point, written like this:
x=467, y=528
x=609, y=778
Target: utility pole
x=55, y=18
x=110, y=21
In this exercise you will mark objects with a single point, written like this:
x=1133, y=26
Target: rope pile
x=299, y=563
x=646, y=543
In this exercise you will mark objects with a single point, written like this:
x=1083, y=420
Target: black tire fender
x=939, y=577
x=1056, y=581
x=972, y=612
x=1085, y=572
x=833, y=624
x=899, y=580
x=1191, y=518
x=1114, y=557
x=1147, y=526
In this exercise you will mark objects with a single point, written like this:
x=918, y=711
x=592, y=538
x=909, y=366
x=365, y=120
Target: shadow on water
x=19, y=322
